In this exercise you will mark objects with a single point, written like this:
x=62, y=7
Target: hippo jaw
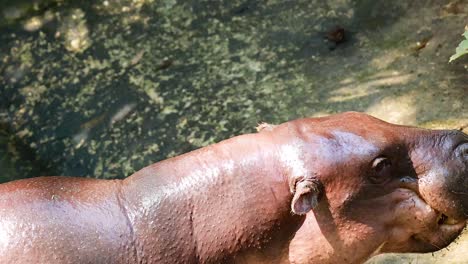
x=420, y=227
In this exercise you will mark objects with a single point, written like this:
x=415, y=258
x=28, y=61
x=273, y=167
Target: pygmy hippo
x=336, y=189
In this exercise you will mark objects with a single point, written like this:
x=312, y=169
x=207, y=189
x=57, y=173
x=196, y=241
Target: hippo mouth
x=449, y=225
x=437, y=231
x=446, y=231
x=442, y=219
x=419, y=226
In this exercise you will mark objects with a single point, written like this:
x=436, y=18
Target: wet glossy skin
x=357, y=186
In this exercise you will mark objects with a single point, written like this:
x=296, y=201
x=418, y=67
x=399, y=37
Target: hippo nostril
x=463, y=150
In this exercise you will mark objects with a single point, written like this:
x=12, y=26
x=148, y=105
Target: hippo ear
x=306, y=196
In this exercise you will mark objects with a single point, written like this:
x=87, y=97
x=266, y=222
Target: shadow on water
x=17, y=160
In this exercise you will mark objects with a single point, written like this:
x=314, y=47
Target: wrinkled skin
x=337, y=189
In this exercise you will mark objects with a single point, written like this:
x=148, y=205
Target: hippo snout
x=461, y=149
x=457, y=163
x=444, y=181
x=459, y=167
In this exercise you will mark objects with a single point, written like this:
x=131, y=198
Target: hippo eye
x=380, y=167
x=380, y=163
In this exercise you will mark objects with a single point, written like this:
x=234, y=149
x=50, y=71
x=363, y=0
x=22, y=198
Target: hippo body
x=336, y=189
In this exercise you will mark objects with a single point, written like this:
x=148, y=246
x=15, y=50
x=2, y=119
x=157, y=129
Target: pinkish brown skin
x=337, y=189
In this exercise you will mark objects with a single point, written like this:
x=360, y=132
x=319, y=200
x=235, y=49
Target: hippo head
x=374, y=187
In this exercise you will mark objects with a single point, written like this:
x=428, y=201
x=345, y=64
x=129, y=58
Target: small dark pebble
x=336, y=35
